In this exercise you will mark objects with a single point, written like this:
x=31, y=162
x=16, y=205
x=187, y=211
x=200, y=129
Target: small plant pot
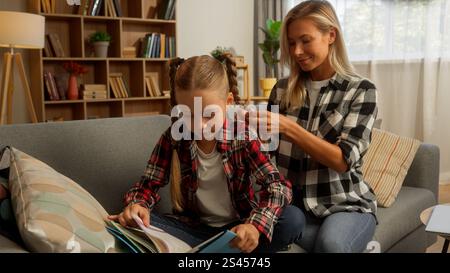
x=267, y=85
x=101, y=49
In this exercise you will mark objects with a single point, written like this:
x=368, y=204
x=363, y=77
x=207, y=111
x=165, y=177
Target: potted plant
x=74, y=69
x=270, y=48
x=100, y=41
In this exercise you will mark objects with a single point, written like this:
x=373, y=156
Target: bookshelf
x=139, y=17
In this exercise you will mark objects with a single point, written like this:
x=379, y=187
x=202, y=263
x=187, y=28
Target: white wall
x=202, y=25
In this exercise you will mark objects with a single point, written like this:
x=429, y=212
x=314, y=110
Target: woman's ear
x=230, y=98
x=332, y=36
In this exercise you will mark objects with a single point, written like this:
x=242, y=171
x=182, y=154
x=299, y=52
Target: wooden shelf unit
x=73, y=31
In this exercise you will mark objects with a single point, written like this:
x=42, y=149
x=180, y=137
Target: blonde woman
x=326, y=116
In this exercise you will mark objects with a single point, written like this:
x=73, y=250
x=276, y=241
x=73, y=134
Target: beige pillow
x=53, y=213
x=386, y=164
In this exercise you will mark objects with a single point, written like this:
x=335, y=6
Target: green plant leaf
x=100, y=36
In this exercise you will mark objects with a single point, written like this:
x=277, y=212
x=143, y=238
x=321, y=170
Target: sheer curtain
x=403, y=46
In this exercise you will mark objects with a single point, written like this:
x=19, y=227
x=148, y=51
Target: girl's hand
x=247, y=237
x=125, y=218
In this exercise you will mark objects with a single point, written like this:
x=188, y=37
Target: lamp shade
x=21, y=30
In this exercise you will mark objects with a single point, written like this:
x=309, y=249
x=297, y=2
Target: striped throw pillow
x=386, y=164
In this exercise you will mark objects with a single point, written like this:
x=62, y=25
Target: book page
x=167, y=242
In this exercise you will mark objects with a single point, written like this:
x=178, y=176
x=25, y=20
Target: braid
x=230, y=63
x=175, y=169
x=173, y=67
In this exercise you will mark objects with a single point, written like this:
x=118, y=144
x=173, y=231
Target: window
x=393, y=29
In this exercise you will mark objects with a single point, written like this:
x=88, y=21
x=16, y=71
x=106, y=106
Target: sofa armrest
x=424, y=170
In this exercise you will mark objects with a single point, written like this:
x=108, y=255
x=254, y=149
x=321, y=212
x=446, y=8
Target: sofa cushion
x=386, y=164
x=402, y=218
x=53, y=213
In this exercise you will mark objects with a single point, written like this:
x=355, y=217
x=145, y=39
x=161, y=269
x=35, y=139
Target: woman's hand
x=271, y=122
x=247, y=237
x=125, y=217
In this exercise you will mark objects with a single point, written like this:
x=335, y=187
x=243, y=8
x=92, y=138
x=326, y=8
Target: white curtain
x=403, y=46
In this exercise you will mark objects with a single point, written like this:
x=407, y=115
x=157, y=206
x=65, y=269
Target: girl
x=327, y=113
x=212, y=181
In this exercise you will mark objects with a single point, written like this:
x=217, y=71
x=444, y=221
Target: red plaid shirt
x=244, y=165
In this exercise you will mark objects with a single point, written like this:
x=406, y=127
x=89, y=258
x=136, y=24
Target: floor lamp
x=18, y=30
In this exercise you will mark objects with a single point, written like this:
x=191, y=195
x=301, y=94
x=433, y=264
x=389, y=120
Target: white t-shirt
x=313, y=89
x=213, y=197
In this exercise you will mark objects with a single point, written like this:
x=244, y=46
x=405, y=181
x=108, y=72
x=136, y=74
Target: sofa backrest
x=105, y=156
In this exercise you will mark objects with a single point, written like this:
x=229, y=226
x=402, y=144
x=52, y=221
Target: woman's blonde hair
x=197, y=73
x=323, y=15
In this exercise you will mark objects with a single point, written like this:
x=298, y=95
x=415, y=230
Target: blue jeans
x=286, y=231
x=342, y=232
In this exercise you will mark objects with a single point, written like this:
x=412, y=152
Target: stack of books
x=117, y=85
x=158, y=45
x=94, y=91
x=129, y=52
x=90, y=7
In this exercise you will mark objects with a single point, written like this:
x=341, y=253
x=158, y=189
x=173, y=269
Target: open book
x=154, y=240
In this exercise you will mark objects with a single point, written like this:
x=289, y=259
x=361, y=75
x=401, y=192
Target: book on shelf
x=123, y=87
x=83, y=7
x=50, y=85
x=110, y=11
x=114, y=88
x=166, y=10
x=155, y=240
x=90, y=7
x=118, y=86
x=56, y=45
x=118, y=8
x=96, y=7
x=129, y=52
x=94, y=87
x=94, y=91
x=47, y=6
x=151, y=82
x=47, y=48
x=62, y=82
x=157, y=45
x=163, y=45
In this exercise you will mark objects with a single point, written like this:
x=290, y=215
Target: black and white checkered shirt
x=344, y=114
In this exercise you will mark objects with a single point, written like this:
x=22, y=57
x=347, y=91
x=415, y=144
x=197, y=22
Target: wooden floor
x=444, y=197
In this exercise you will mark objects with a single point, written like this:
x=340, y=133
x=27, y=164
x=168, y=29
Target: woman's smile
x=304, y=61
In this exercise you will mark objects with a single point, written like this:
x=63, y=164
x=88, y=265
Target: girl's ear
x=230, y=98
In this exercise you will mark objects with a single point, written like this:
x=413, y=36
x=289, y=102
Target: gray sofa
x=106, y=156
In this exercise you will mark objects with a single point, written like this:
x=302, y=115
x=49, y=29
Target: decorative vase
x=101, y=49
x=267, y=85
x=72, y=90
